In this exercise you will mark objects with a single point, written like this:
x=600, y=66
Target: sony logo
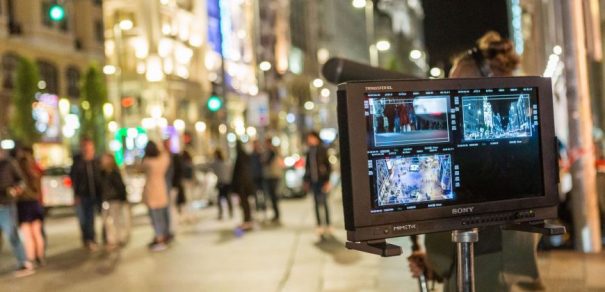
x=464, y=210
x=404, y=227
x=382, y=87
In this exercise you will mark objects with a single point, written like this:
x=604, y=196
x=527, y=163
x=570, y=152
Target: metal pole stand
x=465, y=267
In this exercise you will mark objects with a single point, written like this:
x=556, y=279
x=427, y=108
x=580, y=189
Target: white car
x=57, y=190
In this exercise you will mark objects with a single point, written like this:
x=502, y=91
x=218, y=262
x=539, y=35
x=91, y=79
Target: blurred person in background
x=85, y=177
x=221, y=169
x=506, y=257
x=184, y=198
x=29, y=209
x=317, y=178
x=242, y=183
x=114, y=203
x=273, y=169
x=155, y=165
x=173, y=178
x=11, y=185
x=256, y=160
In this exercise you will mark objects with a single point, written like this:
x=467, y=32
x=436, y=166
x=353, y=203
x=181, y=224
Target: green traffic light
x=214, y=103
x=56, y=12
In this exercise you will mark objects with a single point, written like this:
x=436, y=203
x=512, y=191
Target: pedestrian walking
x=11, y=184
x=174, y=176
x=85, y=177
x=223, y=175
x=317, y=178
x=256, y=161
x=116, y=219
x=243, y=184
x=273, y=169
x=185, y=198
x=29, y=210
x=155, y=164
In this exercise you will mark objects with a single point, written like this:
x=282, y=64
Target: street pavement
x=209, y=256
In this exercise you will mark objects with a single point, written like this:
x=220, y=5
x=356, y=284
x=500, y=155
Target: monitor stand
x=464, y=240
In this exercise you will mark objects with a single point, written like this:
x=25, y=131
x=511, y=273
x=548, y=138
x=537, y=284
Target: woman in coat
x=155, y=193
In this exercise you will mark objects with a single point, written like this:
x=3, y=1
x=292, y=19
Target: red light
x=128, y=101
x=299, y=163
x=67, y=181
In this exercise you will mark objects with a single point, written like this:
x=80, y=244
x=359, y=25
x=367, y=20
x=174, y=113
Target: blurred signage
x=47, y=117
x=214, y=25
x=258, y=110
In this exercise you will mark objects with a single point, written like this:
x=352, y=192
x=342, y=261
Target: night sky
x=452, y=26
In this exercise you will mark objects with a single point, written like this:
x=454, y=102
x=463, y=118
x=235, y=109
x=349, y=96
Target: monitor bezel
x=352, y=108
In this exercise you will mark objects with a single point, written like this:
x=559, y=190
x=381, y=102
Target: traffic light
x=214, y=103
x=56, y=12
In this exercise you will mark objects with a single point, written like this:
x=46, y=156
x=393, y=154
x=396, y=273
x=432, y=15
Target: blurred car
x=202, y=191
x=57, y=188
x=293, y=180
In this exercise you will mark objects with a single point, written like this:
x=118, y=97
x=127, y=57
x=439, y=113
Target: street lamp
x=359, y=3
x=126, y=24
x=108, y=110
x=383, y=45
x=318, y=83
x=109, y=69
x=264, y=66
x=309, y=105
x=415, y=54
x=436, y=72
x=200, y=126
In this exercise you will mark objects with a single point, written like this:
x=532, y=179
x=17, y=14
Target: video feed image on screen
x=398, y=122
x=414, y=179
x=496, y=117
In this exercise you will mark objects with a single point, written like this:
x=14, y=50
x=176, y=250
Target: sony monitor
x=421, y=156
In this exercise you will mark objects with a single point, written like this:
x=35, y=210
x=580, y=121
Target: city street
x=208, y=256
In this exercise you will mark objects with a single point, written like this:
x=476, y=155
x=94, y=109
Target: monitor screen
x=429, y=149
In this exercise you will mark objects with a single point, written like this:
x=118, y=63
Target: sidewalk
x=210, y=256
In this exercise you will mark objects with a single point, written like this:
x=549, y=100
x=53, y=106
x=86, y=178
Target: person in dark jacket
x=243, y=184
x=11, y=184
x=256, y=161
x=220, y=166
x=174, y=182
x=317, y=178
x=85, y=177
x=272, y=172
x=114, y=202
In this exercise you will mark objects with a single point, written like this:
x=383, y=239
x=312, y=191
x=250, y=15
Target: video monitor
x=422, y=156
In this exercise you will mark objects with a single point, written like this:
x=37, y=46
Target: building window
x=48, y=73
x=99, y=31
x=9, y=71
x=45, y=16
x=73, y=82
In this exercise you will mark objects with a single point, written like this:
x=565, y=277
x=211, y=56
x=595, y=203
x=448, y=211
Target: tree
x=94, y=96
x=22, y=123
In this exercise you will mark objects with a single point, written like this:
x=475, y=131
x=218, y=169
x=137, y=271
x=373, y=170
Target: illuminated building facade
x=156, y=70
x=62, y=45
